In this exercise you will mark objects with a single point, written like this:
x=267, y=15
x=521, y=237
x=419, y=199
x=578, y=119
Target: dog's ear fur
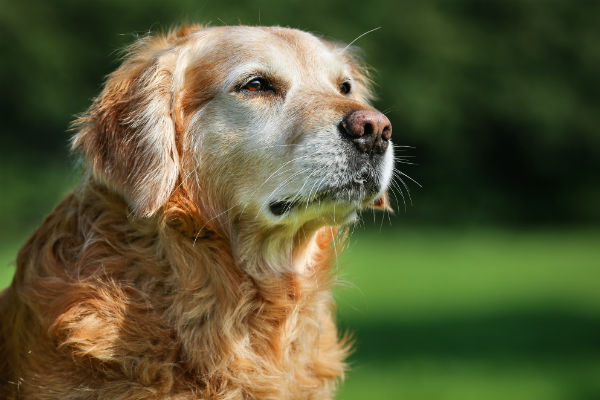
x=128, y=135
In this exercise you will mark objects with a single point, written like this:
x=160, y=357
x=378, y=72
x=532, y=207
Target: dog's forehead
x=276, y=47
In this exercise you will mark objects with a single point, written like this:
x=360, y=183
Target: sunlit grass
x=428, y=272
x=442, y=379
x=479, y=314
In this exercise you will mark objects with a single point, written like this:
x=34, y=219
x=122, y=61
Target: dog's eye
x=345, y=87
x=257, y=85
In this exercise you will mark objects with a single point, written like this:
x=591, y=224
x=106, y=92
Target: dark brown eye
x=257, y=85
x=345, y=87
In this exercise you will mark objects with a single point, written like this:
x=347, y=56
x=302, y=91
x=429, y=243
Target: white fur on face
x=257, y=150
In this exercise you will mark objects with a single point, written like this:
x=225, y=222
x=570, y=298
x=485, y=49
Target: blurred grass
x=8, y=254
x=475, y=313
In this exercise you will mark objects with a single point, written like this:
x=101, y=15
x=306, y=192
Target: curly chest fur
x=112, y=312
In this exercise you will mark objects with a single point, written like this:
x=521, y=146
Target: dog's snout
x=369, y=130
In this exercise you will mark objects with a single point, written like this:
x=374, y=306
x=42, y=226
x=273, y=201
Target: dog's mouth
x=280, y=208
x=335, y=199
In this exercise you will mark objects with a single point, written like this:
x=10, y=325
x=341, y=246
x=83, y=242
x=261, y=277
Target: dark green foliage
x=500, y=98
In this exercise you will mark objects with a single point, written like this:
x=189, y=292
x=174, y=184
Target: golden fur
x=149, y=281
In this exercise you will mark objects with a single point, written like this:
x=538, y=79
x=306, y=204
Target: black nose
x=369, y=130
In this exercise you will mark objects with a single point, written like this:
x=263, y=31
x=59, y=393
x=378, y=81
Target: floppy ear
x=128, y=135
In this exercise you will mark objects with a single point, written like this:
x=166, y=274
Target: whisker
x=414, y=181
x=400, y=161
x=395, y=197
x=317, y=188
x=358, y=37
x=406, y=176
x=285, y=182
x=316, y=184
x=395, y=185
x=283, y=165
x=244, y=208
x=407, y=190
x=386, y=111
x=281, y=145
x=299, y=193
x=382, y=219
x=306, y=169
x=398, y=146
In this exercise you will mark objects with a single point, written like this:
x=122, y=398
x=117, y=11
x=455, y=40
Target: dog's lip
x=279, y=208
x=282, y=207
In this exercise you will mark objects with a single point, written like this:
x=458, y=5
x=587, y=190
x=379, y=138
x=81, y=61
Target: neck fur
x=260, y=288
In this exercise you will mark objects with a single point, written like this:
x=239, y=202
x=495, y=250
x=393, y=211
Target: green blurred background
x=488, y=285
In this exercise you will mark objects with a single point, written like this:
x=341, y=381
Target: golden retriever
x=192, y=262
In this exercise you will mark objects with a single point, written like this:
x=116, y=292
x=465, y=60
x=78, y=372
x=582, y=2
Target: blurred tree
x=500, y=98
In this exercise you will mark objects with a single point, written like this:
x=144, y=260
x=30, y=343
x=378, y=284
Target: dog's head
x=268, y=124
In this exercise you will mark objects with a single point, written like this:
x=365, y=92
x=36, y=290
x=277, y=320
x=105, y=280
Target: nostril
x=387, y=132
x=368, y=128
